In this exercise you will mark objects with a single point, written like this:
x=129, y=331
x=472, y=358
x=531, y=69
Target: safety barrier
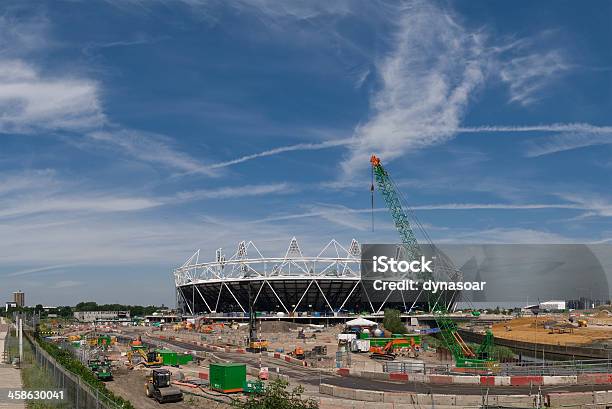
x=485, y=380
x=366, y=399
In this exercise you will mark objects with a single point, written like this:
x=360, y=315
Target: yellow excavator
x=150, y=359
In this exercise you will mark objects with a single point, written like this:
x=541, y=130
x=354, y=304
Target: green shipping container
x=227, y=377
x=172, y=358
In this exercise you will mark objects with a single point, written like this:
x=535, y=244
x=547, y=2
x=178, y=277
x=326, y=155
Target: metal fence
x=78, y=394
x=548, y=368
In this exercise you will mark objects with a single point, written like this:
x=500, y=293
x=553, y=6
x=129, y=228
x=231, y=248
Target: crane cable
x=372, y=196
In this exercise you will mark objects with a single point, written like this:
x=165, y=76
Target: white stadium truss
x=333, y=264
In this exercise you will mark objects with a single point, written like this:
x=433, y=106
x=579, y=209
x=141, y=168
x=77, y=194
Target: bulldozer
x=158, y=387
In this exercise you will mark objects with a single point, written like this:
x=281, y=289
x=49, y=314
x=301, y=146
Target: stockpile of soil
x=279, y=326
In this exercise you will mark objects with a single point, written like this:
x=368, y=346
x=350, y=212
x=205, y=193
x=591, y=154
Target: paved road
x=10, y=378
x=314, y=377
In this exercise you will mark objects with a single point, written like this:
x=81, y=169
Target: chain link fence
x=77, y=393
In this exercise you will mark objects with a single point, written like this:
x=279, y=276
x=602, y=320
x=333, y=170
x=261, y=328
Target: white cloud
x=507, y=236
x=594, y=205
x=88, y=203
x=527, y=76
x=236, y=191
x=567, y=141
x=67, y=284
x=426, y=83
x=27, y=181
x=151, y=148
x=30, y=102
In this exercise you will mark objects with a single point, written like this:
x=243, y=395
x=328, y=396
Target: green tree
x=393, y=321
x=276, y=396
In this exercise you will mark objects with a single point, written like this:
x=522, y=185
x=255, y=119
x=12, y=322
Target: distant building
x=553, y=305
x=162, y=318
x=585, y=303
x=9, y=305
x=19, y=298
x=104, y=316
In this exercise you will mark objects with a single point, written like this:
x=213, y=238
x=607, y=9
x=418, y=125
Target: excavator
x=464, y=356
x=388, y=352
x=150, y=359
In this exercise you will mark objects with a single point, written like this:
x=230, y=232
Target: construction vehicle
x=255, y=344
x=137, y=344
x=149, y=359
x=393, y=349
x=158, y=387
x=258, y=345
x=103, y=372
x=298, y=353
x=582, y=323
x=462, y=353
x=101, y=369
x=319, y=350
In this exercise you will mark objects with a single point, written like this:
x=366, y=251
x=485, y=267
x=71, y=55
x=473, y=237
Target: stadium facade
x=328, y=283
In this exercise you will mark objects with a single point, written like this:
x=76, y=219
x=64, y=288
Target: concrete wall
x=356, y=398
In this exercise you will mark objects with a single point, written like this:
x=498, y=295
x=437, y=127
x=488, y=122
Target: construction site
x=247, y=321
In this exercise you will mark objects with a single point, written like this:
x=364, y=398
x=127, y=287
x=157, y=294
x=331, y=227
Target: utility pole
x=20, y=341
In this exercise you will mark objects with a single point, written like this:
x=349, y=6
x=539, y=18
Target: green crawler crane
x=462, y=353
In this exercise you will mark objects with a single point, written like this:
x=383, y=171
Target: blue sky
x=135, y=132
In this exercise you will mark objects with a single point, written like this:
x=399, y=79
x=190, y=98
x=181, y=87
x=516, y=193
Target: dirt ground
x=130, y=385
x=599, y=329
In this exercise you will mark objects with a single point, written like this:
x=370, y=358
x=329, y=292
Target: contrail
x=557, y=127
x=574, y=127
x=298, y=147
x=40, y=269
x=444, y=206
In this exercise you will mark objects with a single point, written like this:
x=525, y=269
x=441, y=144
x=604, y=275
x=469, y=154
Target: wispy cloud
x=149, y=147
x=67, y=284
x=426, y=82
x=237, y=191
x=507, y=236
x=594, y=205
x=568, y=141
x=31, y=102
x=27, y=181
x=40, y=269
x=329, y=211
x=527, y=76
x=75, y=203
x=282, y=149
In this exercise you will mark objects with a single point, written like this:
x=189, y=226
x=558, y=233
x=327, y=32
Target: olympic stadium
x=326, y=283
